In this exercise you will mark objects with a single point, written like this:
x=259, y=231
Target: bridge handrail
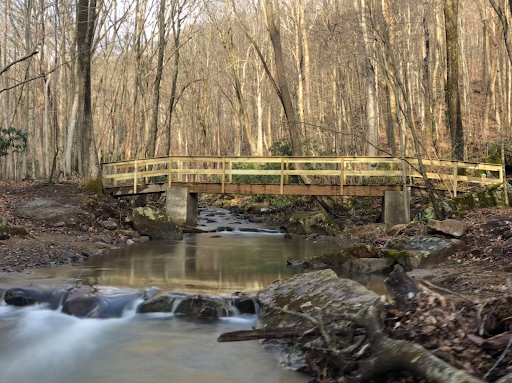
x=443, y=170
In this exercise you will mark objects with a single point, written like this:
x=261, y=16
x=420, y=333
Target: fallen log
x=497, y=342
x=268, y=334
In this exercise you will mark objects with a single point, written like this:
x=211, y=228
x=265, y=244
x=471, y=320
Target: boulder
x=99, y=306
x=310, y=223
x=109, y=225
x=337, y=259
x=307, y=293
x=369, y=265
x=155, y=224
x=361, y=251
x=188, y=305
x=449, y=226
x=19, y=231
x=246, y=304
x=421, y=251
x=25, y=297
x=5, y=231
x=22, y=297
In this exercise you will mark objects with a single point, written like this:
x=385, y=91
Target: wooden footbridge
x=330, y=176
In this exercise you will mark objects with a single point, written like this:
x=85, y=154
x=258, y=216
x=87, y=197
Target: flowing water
x=46, y=346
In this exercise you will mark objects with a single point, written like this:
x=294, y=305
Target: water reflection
x=200, y=263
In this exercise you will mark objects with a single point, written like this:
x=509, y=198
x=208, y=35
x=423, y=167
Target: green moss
x=465, y=202
x=94, y=186
x=395, y=254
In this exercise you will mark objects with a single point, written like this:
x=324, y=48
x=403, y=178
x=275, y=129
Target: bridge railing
x=331, y=170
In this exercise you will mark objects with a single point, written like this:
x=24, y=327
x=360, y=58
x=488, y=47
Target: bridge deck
x=333, y=176
x=216, y=188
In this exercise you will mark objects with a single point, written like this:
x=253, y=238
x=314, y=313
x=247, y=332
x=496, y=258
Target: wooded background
x=102, y=80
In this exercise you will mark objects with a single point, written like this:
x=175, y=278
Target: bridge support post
x=396, y=207
x=181, y=206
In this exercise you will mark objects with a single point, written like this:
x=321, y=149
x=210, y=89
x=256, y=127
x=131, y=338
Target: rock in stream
x=308, y=293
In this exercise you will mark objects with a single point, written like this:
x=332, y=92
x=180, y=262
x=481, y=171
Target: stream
x=46, y=346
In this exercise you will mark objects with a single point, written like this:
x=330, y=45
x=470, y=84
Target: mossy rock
x=312, y=223
x=421, y=251
x=308, y=292
x=156, y=224
x=94, y=186
x=334, y=259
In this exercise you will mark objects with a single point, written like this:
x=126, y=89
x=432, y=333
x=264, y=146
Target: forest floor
x=64, y=224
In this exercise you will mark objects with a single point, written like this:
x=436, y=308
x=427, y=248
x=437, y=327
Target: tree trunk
x=153, y=128
x=85, y=26
x=451, y=12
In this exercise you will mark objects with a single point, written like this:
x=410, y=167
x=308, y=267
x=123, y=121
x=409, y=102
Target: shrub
x=11, y=138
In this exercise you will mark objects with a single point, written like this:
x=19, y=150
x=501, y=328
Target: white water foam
x=45, y=346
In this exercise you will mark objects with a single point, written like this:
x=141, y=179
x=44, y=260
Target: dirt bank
x=65, y=224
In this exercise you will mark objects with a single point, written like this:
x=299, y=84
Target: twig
x=78, y=279
x=403, y=228
x=500, y=359
x=433, y=286
x=8, y=66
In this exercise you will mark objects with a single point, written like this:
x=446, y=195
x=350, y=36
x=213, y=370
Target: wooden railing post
x=169, y=173
x=135, y=178
x=455, y=174
x=223, y=175
x=282, y=175
x=115, y=172
x=287, y=165
x=230, y=174
x=342, y=175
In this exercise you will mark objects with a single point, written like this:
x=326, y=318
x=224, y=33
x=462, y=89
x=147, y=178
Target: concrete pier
x=181, y=206
x=395, y=210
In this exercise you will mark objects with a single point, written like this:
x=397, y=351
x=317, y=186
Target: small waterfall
x=177, y=301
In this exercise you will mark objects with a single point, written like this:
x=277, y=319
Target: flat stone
x=337, y=259
x=128, y=233
x=102, y=245
x=369, y=265
x=421, y=251
x=109, y=225
x=449, y=226
x=143, y=238
x=59, y=224
x=130, y=242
